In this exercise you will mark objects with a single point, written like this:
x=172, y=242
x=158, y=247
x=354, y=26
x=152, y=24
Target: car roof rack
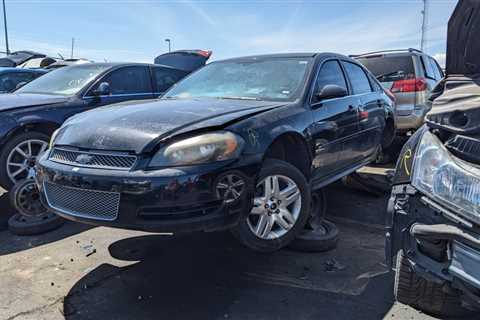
x=385, y=51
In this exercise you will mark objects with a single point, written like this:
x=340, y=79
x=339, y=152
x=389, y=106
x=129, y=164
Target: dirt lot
x=78, y=272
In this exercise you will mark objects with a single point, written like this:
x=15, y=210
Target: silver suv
x=410, y=75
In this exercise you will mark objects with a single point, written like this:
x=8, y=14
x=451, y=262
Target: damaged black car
x=239, y=144
x=433, y=227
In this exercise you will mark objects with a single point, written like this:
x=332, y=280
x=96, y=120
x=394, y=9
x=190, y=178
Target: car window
x=9, y=81
x=358, y=78
x=436, y=69
x=330, y=73
x=128, y=80
x=389, y=68
x=165, y=78
x=429, y=73
x=374, y=82
x=265, y=79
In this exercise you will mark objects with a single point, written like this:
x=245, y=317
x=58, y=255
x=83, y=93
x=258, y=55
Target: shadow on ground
x=210, y=276
x=10, y=243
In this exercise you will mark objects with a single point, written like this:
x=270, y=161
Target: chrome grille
x=93, y=159
x=99, y=205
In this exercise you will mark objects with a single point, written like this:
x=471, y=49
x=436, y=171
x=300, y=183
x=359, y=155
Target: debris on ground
x=333, y=265
x=89, y=250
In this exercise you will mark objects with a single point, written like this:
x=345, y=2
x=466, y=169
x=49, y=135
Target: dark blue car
x=11, y=78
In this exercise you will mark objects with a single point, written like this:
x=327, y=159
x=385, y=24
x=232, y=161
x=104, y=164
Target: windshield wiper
x=389, y=74
x=238, y=98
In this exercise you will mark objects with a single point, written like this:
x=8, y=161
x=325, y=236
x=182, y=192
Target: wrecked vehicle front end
x=433, y=220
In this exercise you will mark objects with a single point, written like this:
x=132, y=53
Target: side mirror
x=103, y=89
x=331, y=91
x=20, y=84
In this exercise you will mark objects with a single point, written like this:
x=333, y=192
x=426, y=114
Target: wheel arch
x=45, y=127
x=293, y=148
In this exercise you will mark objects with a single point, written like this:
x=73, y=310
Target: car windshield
x=66, y=81
x=276, y=79
x=388, y=69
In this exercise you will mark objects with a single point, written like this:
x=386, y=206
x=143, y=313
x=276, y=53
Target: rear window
x=388, y=69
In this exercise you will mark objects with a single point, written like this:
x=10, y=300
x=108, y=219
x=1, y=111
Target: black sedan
x=239, y=144
x=30, y=115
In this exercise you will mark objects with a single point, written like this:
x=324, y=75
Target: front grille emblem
x=84, y=159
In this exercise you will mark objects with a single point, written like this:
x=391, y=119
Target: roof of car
x=289, y=55
x=12, y=69
x=117, y=64
x=408, y=51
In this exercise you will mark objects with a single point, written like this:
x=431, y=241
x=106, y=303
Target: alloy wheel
x=21, y=159
x=276, y=207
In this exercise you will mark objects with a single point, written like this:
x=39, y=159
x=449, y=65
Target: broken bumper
x=167, y=200
x=440, y=245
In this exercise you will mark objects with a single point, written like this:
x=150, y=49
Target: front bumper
x=167, y=200
x=440, y=245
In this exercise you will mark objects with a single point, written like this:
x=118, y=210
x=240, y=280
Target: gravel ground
x=79, y=272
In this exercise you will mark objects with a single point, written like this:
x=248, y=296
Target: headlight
x=447, y=179
x=210, y=147
x=52, y=139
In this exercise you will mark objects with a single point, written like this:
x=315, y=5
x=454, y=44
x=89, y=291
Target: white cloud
x=441, y=59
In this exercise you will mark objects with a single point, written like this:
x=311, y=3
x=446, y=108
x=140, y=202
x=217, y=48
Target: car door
x=371, y=114
x=126, y=83
x=335, y=121
x=164, y=78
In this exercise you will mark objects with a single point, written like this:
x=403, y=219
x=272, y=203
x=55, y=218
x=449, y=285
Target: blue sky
x=134, y=30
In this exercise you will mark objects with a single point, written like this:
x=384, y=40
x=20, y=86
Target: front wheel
x=19, y=155
x=280, y=208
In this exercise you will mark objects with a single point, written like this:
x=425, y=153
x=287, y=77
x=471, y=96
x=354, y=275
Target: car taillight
x=204, y=53
x=409, y=85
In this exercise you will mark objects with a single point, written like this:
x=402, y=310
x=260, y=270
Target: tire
x=279, y=237
x=386, y=153
x=5, y=181
x=320, y=239
x=26, y=226
x=25, y=198
x=419, y=293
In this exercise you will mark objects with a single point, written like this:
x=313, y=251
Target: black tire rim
x=27, y=200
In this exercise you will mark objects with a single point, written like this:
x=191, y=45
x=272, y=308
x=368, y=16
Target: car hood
x=11, y=101
x=456, y=99
x=463, y=47
x=139, y=126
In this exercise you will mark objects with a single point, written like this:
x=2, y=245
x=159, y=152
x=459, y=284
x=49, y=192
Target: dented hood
x=456, y=99
x=138, y=126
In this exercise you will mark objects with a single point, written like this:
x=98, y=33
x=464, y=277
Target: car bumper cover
x=167, y=200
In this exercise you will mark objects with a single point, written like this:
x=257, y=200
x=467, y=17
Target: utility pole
x=169, y=44
x=6, y=31
x=424, y=24
x=73, y=44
